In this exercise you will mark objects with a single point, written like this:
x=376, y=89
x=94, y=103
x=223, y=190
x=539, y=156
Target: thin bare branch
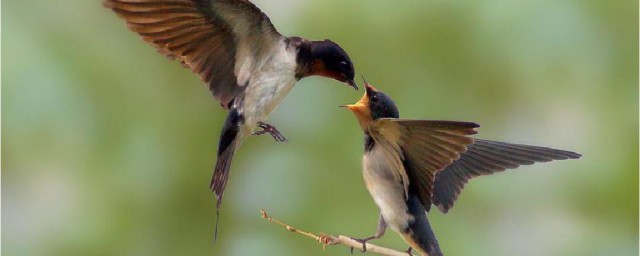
x=326, y=239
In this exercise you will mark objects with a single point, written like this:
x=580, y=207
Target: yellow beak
x=361, y=110
x=363, y=103
x=359, y=106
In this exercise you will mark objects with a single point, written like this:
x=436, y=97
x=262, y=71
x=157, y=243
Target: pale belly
x=387, y=190
x=267, y=89
x=263, y=99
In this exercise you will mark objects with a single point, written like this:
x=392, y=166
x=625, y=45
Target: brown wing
x=222, y=41
x=426, y=147
x=485, y=157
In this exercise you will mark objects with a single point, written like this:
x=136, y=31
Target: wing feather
x=425, y=147
x=485, y=157
x=220, y=40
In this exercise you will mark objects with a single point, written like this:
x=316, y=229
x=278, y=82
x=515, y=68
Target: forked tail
x=226, y=150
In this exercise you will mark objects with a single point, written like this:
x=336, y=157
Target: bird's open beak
x=361, y=110
x=360, y=106
x=352, y=84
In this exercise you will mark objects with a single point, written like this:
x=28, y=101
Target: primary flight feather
x=237, y=52
x=408, y=165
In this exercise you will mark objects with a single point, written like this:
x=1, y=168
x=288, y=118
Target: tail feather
x=219, y=180
x=226, y=150
x=221, y=173
x=419, y=234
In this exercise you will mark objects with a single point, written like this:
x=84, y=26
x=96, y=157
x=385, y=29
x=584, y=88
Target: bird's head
x=326, y=58
x=374, y=104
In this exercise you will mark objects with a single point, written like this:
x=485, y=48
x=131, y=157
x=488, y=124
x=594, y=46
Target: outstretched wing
x=222, y=41
x=425, y=147
x=485, y=157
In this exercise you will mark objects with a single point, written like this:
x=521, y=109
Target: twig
x=326, y=239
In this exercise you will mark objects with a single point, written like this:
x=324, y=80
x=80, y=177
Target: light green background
x=108, y=148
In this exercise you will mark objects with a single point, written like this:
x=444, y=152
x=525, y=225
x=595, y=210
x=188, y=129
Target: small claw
x=267, y=128
x=363, y=241
x=408, y=251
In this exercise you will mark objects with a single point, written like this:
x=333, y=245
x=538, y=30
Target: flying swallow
x=408, y=165
x=233, y=47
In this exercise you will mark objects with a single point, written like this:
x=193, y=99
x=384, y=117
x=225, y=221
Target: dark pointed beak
x=368, y=87
x=363, y=103
x=352, y=84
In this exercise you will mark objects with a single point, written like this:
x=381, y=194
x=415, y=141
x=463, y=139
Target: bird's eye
x=343, y=65
x=374, y=98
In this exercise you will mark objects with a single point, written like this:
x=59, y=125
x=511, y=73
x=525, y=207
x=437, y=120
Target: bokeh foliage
x=108, y=147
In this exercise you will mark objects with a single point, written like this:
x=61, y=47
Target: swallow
x=236, y=51
x=408, y=165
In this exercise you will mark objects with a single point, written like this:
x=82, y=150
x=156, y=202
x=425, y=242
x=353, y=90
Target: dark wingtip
x=574, y=155
x=444, y=209
x=471, y=126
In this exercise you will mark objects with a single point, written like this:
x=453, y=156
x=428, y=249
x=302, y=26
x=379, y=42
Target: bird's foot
x=408, y=251
x=267, y=128
x=363, y=241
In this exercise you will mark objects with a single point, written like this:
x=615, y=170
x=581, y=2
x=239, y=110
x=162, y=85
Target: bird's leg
x=408, y=251
x=382, y=227
x=267, y=128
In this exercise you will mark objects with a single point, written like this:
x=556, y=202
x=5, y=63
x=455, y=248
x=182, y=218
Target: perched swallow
x=248, y=66
x=409, y=165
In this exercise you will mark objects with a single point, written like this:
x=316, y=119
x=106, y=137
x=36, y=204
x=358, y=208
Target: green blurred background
x=108, y=147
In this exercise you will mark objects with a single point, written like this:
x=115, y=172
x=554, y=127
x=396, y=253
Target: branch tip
x=326, y=239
